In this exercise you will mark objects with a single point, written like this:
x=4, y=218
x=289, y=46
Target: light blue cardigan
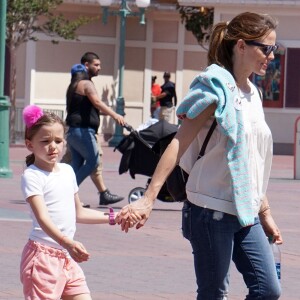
x=217, y=85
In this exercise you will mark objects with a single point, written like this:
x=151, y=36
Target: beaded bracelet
x=62, y=239
x=111, y=216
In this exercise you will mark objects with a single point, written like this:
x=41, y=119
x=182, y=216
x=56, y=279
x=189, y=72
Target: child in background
x=49, y=265
x=155, y=104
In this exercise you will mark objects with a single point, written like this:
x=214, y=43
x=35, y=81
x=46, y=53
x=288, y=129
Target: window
x=272, y=84
x=292, y=98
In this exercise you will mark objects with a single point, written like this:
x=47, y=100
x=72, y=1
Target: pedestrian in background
x=155, y=91
x=167, y=99
x=226, y=215
x=83, y=108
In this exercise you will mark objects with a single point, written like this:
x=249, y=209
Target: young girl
x=49, y=266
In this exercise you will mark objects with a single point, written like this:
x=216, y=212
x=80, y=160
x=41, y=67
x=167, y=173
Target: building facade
x=162, y=44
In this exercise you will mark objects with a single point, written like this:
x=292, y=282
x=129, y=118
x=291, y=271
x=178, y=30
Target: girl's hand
x=270, y=227
x=77, y=251
x=137, y=213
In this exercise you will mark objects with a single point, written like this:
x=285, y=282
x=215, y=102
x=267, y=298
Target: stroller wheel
x=136, y=194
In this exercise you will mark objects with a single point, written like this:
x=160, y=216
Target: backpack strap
x=207, y=138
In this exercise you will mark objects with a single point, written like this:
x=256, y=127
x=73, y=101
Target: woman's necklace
x=237, y=102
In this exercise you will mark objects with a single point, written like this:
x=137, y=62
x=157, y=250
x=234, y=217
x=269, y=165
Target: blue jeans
x=84, y=150
x=216, y=239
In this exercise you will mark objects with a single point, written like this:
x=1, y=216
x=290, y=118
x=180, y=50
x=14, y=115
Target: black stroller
x=141, y=151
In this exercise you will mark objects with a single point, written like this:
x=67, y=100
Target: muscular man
x=92, y=65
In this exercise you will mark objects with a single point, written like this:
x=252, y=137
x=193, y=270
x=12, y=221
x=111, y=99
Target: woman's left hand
x=270, y=227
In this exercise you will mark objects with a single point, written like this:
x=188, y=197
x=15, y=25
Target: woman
x=227, y=215
x=83, y=107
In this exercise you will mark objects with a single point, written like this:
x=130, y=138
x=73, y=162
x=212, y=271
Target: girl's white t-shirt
x=57, y=190
x=209, y=184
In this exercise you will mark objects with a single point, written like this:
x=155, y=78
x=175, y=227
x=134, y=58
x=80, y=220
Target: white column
x=30, y=67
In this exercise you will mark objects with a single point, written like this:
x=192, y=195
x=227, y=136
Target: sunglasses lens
x=268, y=49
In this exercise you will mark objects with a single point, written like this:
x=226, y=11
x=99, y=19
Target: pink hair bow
x=31, y=114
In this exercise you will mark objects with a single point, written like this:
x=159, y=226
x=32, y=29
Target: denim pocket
x=187, y=220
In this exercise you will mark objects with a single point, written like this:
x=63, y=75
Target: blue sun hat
x=77, y=68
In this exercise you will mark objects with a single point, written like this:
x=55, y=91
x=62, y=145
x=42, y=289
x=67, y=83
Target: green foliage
x=198, y=20
x=64, y=28
x=27, y=17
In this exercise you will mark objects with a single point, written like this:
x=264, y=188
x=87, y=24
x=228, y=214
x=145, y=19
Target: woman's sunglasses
x=266, y=49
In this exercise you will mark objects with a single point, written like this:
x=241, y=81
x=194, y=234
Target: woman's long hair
x=76, y=77
x=246, y=26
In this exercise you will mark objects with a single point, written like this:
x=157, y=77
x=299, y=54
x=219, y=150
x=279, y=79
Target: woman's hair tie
x=31, y=114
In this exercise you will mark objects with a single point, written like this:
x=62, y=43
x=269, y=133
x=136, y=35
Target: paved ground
x=154, y=262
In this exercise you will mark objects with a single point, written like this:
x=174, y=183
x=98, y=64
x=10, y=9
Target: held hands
x=133, y=214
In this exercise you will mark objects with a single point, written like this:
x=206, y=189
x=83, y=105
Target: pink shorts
x=47, y=273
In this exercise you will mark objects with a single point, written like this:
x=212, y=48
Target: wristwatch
x=111, y=216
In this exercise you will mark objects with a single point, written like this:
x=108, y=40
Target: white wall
x=162, y=44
